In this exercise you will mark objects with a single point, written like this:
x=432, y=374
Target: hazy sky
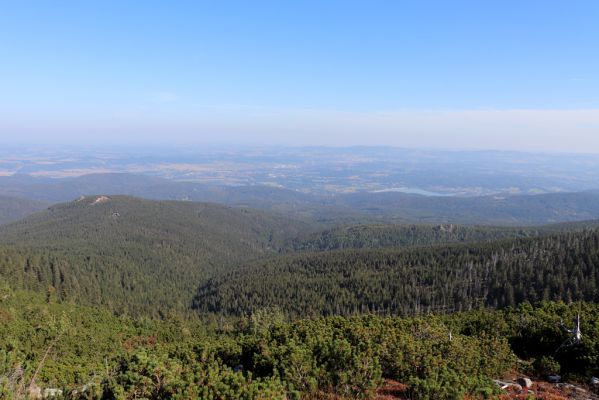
x=469, y=74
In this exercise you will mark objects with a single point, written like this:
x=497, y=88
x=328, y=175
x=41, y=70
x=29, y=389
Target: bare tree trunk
x=19, y=393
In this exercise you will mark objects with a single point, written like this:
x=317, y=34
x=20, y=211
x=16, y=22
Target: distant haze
x=526, y=130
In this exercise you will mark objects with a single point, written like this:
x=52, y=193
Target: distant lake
x=412, y=191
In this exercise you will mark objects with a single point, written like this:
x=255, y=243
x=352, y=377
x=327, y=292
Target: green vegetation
x=381, y=236
x=97, y=299
x=149, y=257
x=135, y=256
x=413, y=280
x=90, y=353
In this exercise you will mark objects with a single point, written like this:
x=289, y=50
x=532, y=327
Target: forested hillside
x=372, y=236
x=414, y=280
x=12, y=208
x=135, y=255
x=401, y=235
x=141, y=256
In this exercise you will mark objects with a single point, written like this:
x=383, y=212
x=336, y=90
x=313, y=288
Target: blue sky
x=469, y=74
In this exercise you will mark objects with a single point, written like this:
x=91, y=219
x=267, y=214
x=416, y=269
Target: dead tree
x=575, y=334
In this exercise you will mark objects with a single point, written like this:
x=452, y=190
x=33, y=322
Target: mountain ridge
x=138, y=255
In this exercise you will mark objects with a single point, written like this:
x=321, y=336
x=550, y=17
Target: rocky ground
x=551, y=391
x=516, y=389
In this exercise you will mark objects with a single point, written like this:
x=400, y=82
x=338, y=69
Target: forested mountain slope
x=12, y=208
x=132, y=254
x=403, y=235
x=413, y=280
x=372, y=236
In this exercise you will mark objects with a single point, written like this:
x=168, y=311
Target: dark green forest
x=401, y=235
x=149, y=257
x=413, y=280
x=132, y=255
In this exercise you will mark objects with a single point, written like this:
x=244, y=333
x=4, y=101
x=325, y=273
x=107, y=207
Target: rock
x=502, y=385
x=508, y=385
x=35, y=392
x=525, y=382
x=101, y=199
x=566, y=386
x=49, y=393
x=594, y=381
x=554, y=378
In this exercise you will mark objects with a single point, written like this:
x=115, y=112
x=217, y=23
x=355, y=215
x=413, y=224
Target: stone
x=554, y=378
x=49, y=393
x=509, y=385
x=516, y=387
x=525, y=382
x=35, y=392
